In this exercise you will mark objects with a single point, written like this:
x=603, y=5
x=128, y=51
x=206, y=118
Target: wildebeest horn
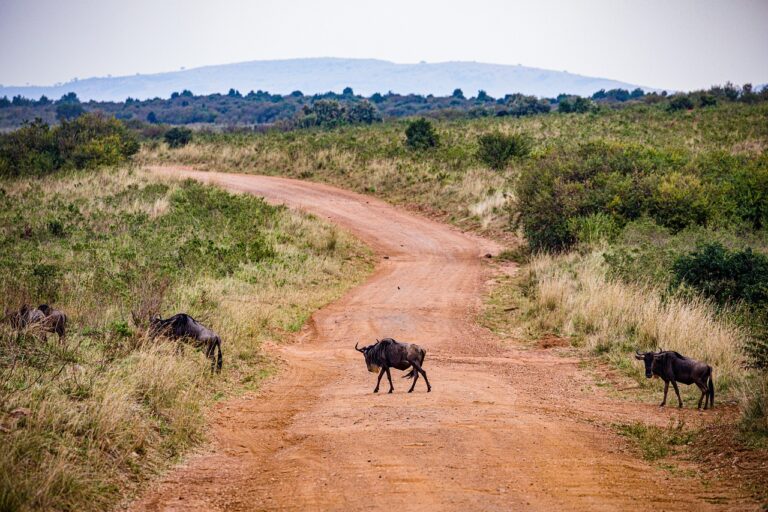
x=639, y=355
x=358, y=349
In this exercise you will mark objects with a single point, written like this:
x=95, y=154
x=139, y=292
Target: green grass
x=656, y=443
x=85, y=422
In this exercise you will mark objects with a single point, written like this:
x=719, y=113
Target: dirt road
x=503, y=429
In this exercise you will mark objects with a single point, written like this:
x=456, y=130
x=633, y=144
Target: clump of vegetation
x=630, y=181
x=655, y=442
x=86, y=421
x=88, y=142
x=723, y=275
x=680, y=102
x=332, y=114
x=421, y=134
x=178, y=137
x=497, y=149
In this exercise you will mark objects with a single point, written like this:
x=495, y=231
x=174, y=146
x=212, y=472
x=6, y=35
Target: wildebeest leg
x=389, y=376
x=704, y=392
x=666, y=389
x=210, y=353
x=424, y=374
x=415, y=378
x=381, y=374
x=677, y=392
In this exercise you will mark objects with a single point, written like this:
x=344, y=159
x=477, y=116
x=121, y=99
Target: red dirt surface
x=503, y=429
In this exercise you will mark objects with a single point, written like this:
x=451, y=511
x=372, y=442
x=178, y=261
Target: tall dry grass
x=86, y=421
x=573, y=296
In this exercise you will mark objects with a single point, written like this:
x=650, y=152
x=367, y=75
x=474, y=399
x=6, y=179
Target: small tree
x=152, y=118
x=178, y=137
x=67, y=111
x=497, y=149
x=363, y=112
x=483, y=96
x=458, y=94
x=421, y=134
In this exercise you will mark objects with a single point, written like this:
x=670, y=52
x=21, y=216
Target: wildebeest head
x=647, y=358
x=366, y=351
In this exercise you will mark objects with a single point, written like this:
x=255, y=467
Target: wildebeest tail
x=409, y=374
x=711, y=388
x=220, y=361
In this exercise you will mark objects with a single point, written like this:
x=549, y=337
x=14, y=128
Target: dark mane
x=378, y=352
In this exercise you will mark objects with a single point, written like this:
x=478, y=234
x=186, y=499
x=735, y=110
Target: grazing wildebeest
x=673, y=367
x=55, y=320
x=43, y=317
x=388, y=353
x=182, y=326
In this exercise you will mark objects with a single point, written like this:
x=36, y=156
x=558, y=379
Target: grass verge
x=85, y=421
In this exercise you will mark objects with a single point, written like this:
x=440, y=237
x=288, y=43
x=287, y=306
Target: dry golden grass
x=85, y=422
x=573, y=297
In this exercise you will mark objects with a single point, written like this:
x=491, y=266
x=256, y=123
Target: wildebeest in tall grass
x=673, y=367
x=388, y=353
x=43, y=317
x=181, y=326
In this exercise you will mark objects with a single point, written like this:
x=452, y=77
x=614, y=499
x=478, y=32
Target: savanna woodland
x=638, y=221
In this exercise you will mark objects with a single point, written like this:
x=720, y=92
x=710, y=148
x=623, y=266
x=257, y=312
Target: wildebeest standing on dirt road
x=388, y=353
x=182, y=326
x=673, y=367
x=44, y=317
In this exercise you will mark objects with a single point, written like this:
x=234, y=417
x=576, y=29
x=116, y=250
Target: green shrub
x=497, y=149
x=178, y=137
x=725, y=276
x=680, y=102
x=421, y=134
x=677, y=190
x=90, y=141
x=68, y=111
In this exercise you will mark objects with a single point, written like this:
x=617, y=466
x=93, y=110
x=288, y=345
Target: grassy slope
x=85, y=421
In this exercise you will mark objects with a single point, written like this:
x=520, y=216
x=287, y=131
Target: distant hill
x=365, y=76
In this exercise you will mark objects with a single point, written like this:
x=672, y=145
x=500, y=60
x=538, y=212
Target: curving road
x=503, y=429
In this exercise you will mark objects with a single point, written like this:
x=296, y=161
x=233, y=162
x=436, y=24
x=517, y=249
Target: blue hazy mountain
x=318, y=75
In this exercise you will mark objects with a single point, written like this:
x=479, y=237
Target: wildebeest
x=673, y=367
x=182, y=326
x=55, y=320
x=388, y=353
x=43, y=317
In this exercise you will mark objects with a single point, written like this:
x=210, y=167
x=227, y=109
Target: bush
x=421, y=134
x=89, y=141
x=680, y=102
x=178, y=137
x=497, y=149
x=725, y=276
x=629, y=181
x=65, y=111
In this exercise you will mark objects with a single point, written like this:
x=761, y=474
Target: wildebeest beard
x=374, y=356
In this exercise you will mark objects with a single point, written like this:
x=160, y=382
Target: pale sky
x=675, y=44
